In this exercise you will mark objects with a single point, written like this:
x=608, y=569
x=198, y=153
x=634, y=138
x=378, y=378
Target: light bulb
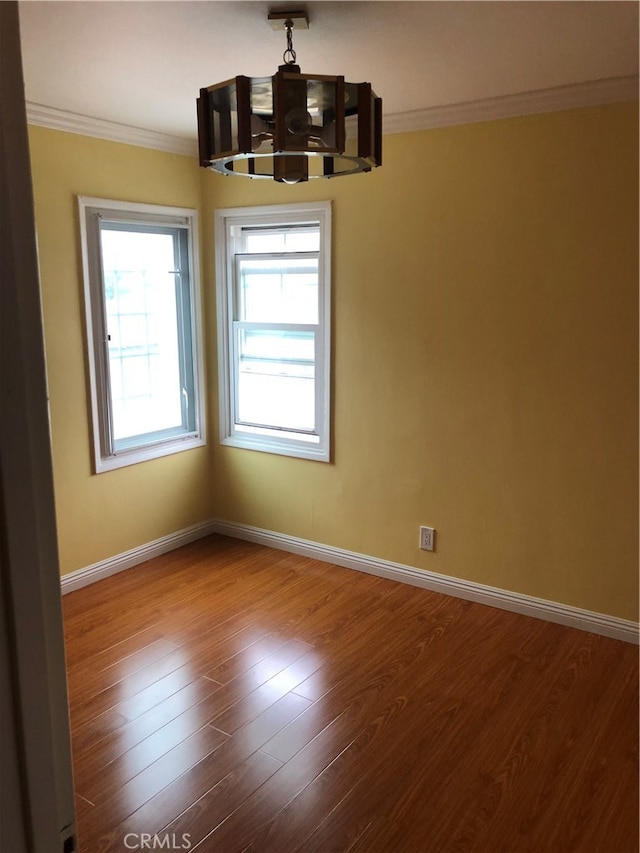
x=298, y=121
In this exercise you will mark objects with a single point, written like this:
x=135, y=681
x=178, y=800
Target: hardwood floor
x=232, y=698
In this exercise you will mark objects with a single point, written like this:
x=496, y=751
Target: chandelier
x=290, y=127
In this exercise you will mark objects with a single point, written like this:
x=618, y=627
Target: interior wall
x=102, y=516
x=485, y=344
x=485, y=353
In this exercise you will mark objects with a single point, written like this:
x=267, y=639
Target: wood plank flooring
x=230, y=698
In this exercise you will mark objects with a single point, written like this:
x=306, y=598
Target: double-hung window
x=273, y=299
x=142, y=312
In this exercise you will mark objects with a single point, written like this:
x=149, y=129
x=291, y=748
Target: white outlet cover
x=427, y=538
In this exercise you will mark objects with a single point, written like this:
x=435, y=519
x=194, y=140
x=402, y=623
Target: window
x=273, y=298
x=142, y=312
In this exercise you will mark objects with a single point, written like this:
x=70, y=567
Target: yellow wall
x=485, y=302
x=102, y=516
x=485, y=346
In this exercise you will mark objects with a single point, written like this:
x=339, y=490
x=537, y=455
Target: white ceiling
x=143, y=63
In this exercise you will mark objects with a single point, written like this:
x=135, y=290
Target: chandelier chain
x=289, y=52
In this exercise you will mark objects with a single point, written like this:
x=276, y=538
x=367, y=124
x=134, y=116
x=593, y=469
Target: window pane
x=305, y=239
x=273, y=294
x=261, y=241
x=276, y=378
x=278, y=290
x=142, y=324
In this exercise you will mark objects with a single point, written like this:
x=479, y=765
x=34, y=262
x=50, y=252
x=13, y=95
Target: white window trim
x=285, y=214
x=103, y=459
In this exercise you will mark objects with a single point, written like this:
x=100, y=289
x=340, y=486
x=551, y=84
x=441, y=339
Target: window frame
x=179, y=220
x=228, y=223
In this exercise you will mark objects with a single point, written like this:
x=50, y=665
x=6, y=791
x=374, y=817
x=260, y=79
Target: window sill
x=298, y=450
x=124, y=458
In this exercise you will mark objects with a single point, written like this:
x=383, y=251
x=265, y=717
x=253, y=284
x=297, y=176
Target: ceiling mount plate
x=299, y=19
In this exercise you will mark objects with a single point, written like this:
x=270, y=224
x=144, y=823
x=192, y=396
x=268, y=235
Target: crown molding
x=612, y=90
x=55, y=119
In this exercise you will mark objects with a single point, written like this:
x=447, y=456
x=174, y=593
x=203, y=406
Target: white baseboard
x=129, y=559
x=551, y=611
x=563, y=614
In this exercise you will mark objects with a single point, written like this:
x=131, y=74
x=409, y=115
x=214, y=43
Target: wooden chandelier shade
x=290, y=127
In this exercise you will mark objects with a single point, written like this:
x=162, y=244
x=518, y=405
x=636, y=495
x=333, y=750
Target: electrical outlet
x=428, y=538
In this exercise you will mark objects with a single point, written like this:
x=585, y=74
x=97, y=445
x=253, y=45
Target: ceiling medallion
x=290, y=127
